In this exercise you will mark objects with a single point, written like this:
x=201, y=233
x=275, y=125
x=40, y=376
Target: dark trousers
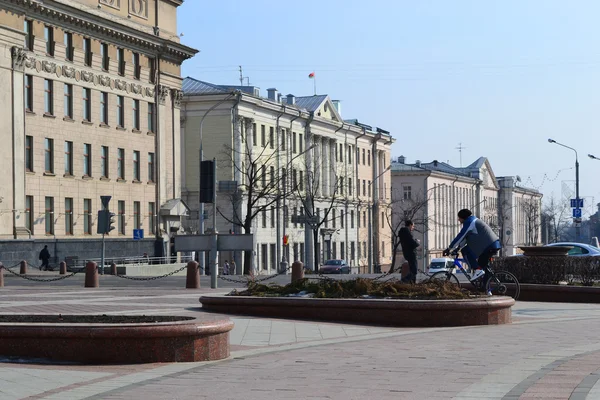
x=411, y=258
x=45, y=264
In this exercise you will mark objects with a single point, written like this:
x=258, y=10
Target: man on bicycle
x=481, y=243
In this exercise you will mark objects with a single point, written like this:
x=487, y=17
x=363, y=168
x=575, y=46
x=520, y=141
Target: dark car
x=335, y=267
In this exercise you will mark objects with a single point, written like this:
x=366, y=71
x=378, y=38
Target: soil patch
x=90, y=319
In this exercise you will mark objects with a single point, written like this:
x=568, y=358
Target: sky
x=497, y=78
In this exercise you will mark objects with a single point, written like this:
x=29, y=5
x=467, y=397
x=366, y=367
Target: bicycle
x=501, y=283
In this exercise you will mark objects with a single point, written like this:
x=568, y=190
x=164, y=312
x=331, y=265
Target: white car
x=442, y=264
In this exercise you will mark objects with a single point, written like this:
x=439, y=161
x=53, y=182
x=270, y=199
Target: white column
x=332, y=166
x=317, y=167
x=326, y=190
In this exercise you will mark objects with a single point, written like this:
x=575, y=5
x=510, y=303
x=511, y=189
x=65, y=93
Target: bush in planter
x=550, y=270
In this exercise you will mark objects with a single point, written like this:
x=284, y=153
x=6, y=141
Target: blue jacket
x=477, y=235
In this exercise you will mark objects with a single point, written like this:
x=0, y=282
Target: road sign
x=105, y=200
x=138, y=234
x=575, y=205
x=577, y=213
x=304, y=219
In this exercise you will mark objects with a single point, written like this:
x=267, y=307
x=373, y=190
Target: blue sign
x=575, y=205
x=577, y=213
x=138, y=234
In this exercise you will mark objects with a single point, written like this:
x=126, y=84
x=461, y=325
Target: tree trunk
x=315, y=248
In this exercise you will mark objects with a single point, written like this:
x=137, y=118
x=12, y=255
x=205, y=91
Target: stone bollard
x=63, y=267
x=297, y=271
x=23, y=270
x=193, y=276
x=113, y=269
x=91, y=274
x=1, y=275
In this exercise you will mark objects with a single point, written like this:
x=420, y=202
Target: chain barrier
x=246, y=281
x=152, y=278
x=29, y=278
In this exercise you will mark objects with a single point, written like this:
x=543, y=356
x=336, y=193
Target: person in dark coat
x=45, y=257
x=409, y=250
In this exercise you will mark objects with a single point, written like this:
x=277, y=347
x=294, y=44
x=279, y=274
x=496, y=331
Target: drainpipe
x=278, y=239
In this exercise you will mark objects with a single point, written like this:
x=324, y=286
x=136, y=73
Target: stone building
x=92, y=91
x=298, y=150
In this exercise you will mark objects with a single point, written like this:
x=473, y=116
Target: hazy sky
x=500, y=77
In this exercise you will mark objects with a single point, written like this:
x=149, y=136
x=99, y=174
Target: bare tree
x=532, y=211
x=557, y=215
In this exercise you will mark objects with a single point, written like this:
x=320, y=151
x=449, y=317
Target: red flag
x=311, y=75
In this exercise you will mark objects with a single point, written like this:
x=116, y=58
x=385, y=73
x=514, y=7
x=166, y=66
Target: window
x=48, y=97
x=29, y=153
x=264, y=218
x=49, y=156
x=300, y=146
x=87, y=216
x=136, y=115
x=104, y=162
x=301, y=183
x=364, y=187
x=87, y=52
x=136, y=65
x=272, y=217
x=104, y=56
x=68, y=39
x=121, y=217
x=286, y=216
x=254, y=137
x=136, y=215
x=120, y=111
x=365, y=249
x=28, y=93
x=28, y=28
x=358, y=220
x=263, y=135
x=271, y=137
x=121, y=164
x=342, y=219
x=68, y=158
x=283, y=139
x=87, y=159
x=49, y=37
x=29, y=213
x=369, y=157
x=351, y=219
x=263, y=176
x=349, y=157
x=87, y=104
x=383, y=248
x=104, y=108
x=49, y=215
x=151, y=117
x=68, y=101
x=150, y=167
x=294, y=179
x=406, y=192
x=151, y=217
x=341, y=153
x=365, y=220
x=349, y=186
x=369, y=185
x=272, y=175
x=294, y=143
x=136, y=165
x=152, y=63
x=68, y=215
x=295, y=213
x=121, y=61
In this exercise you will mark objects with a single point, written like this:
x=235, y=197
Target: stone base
x=401, y=313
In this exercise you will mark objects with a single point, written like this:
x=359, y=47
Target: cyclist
x=481, y=243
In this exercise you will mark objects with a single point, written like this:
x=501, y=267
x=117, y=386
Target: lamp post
x=372, y=217
x=578, y=220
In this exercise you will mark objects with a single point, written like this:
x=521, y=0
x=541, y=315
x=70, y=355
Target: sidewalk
x=551, y=351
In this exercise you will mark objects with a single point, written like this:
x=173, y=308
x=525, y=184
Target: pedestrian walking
x=409, y=250
x=45, y=257
x=226, y=268
x=232, y=268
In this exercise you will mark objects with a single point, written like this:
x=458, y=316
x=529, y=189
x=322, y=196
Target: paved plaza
x=551, y=351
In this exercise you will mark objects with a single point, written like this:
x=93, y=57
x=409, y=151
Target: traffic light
x=105, y=221
x=285, y=240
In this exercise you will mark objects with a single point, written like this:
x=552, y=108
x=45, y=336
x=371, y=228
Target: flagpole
x=315, y=84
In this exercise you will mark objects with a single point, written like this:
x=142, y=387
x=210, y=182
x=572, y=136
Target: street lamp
x=577, y=222
x=593, y=157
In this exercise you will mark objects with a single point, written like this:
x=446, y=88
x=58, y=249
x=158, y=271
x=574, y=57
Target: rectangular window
x=363, y=156
x=68, y=215
x=294, y=149
x=68, y=158
x=351, y=219
x=68, y=101
x=152, y=63
x=364, y=187
x=136, y=115
x=104, y=161
x=28, y=93
x=151, y=217
x=121, y=217
x=49, y=37
x=121, y=61
x=272, y=175
x=301, y=183
x=28, y=28
x=68, y=39
x=272, y=217
x=369, y=186
x=300, y=145
x=341, y=153
x=349, y=186
x=136, y=65
x=342, y=219
x=121, y=164
x=264, y=218
x=87, y=104
x=283, y=139
x=406, y=192
x=87, y=159
x=120, y=111
x=87, y=52
x=352, y=251
x=29, y=153
x=364, y=220
x=104, y=56
x=263, y=135
x=48, y=97
x=49, y=156
x=383, y=248
x=151, y=117
x=271, y=137
x=136, y=165
x=49, y=215
x=150, y=167
x=358, y=220
x=136, y=215
x=369, y=157
x=29, y=213
x=295, y=213
x=87, y=216
x=254, y=137
x=104, y=108
x=263, y=176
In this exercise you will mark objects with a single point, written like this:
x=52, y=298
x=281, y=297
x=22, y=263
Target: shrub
x=550, y=270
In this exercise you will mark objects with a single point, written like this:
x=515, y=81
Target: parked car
x=442, y=264
x=335, y=267
x=579, y=249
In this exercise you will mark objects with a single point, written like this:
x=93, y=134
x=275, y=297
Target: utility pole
x=214, y=267
x=460, y=148
x=241, y=77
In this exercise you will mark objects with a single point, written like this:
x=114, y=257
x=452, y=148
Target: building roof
x=191, y=86
x=308, y=103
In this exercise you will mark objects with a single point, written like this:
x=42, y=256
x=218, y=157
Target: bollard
x=63, y=267
x=91, y=274
x=113, y=268
x=192, y=280
x=1, y=275
x=23, y=270
x=297, y=271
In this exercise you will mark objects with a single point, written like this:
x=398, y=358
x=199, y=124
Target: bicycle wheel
x=504, y=284
x=445, y=277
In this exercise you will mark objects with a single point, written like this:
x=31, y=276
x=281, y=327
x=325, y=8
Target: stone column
x=326, y=190
x=163, y=134
x=317, y=167
x=176, y=176
x=247, y=160
x=332, y=166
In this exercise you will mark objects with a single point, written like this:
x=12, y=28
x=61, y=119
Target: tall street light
x=593, y=157
x=578, y=212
